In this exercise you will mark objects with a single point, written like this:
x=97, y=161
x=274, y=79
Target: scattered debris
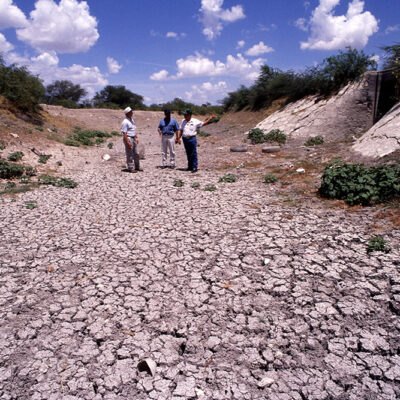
x=300, y=170
x=106, y=157
x=147, y=365
x=14, y=135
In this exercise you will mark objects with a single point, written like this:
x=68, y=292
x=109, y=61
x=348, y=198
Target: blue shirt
x=170, y=128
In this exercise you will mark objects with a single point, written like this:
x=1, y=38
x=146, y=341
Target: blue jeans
x=191, y=152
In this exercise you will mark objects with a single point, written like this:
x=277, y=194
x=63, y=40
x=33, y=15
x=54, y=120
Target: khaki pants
x=132, y=155
x=168, y=143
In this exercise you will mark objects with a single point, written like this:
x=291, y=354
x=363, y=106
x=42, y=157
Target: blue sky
x=197, y=50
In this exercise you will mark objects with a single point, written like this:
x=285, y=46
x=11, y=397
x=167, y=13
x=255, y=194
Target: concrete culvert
x=238, y=149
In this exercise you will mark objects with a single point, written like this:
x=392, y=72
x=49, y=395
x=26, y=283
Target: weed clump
x=110, y=145
x=204, y=134
x=16, y=156
x=314, y=141
x=228, y=178
x=270, y=178
x=178, y=183
x=257, y=135
x=357, y=184
x=210, y=188
x=378, y=243
x=2, y=145
x=58, y=182
x=195, y=185
x=86, y=137
x=44, y=158
x=30, y=205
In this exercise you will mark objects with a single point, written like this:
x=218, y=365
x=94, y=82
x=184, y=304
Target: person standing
x=188, y=132
x=131, y=141
x=167, y=128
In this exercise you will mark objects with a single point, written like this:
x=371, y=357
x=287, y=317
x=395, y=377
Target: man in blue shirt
x=167, y=128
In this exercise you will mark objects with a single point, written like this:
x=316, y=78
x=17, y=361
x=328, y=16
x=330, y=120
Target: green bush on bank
x=357, y=184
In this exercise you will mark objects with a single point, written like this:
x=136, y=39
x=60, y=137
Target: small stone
x=266, y=381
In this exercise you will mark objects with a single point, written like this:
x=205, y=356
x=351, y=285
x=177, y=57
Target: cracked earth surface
x=233, y=294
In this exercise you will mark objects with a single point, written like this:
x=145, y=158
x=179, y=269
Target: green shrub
x=99, y=140
x=203, y=134
x=9, y=171
x=44, y=158
x=2, y=145
x=256, y=135
x=275, y=135
x=16, y=156
x=314, y=141
x=357, y=184
x=115, y=133
x=110, y=145
x=270, y=178
x=210, y=188
x=378, y=243
x=178, y=183
x=39, y=128
x=195, y=185
x=228, y=178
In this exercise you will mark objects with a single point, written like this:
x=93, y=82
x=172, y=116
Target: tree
x=346, y=67
x=118, y=97
x=21, y=88
x=64, y=90
x=392, y=61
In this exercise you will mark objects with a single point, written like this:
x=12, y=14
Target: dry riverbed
x=128, y=287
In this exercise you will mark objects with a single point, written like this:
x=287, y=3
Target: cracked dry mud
x=231, y=293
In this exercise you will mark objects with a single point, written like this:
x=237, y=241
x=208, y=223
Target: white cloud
x=240, y=44
x=5, y=46
x=214, y=15
x=66, y=28
x=202, y=93
x=331, y=32
x=259, y=49
x=391, y=29
x=10, y=15
x=113, y=66
x=302, y=24
x=160, y=76
x=175, y=35
x=199, y=65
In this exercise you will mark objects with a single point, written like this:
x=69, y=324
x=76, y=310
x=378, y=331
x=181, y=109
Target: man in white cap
x=128, y=129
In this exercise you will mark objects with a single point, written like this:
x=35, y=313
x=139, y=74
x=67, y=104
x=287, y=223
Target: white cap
x=127, y=110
